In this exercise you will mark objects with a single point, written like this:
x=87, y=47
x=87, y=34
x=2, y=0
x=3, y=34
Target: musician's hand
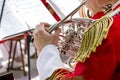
x=43, y=38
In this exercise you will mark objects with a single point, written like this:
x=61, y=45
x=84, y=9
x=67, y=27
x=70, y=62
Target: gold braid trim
x=61, y=74
x=93, y=37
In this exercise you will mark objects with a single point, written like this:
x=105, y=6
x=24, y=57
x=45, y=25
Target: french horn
x=71, y=35
x=70, y=38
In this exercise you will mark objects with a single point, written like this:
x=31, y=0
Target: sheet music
x=64, y=7
x=10, y=24
x=33, y=12
x=21, y=15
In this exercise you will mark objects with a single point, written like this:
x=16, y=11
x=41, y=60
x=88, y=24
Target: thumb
x=57, y=32
x=56, y=36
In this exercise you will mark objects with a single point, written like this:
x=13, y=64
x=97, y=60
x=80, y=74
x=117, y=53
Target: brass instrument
x=71, y=35
x=53, y=27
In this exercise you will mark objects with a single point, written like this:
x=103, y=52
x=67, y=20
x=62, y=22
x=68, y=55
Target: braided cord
x=93, y=37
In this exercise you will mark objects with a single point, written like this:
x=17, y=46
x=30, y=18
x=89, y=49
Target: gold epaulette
x=93, y=37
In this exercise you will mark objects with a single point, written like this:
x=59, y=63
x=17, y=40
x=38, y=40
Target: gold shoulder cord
x=93, y=37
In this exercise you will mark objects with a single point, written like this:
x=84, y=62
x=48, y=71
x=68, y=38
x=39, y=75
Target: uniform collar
x=100, y=14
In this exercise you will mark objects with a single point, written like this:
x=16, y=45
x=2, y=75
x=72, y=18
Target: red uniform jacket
x=104, y=64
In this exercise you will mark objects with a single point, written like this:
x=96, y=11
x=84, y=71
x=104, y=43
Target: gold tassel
x=93, y=37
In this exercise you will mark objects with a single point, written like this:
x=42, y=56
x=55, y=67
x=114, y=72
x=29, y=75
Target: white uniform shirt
x=48, y=61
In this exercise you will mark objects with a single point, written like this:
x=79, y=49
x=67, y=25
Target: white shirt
x=48, y=61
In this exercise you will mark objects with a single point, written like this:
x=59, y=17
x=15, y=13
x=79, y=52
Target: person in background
x=103, y=60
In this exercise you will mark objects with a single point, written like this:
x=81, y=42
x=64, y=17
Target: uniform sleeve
x=48, y=61
x=63, y=74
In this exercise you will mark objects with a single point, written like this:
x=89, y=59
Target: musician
x=100, y=60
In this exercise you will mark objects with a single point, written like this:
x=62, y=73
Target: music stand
x=14, y=35
x=28, y=40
